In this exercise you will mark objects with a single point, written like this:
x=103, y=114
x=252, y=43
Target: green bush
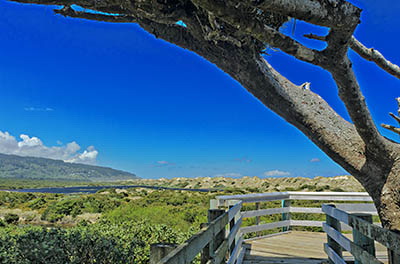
x=103, y=242
x=337, y=189
x=76, y=205
x=11, y=218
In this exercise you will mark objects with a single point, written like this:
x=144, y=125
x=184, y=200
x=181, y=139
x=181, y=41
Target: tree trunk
x=388, y=203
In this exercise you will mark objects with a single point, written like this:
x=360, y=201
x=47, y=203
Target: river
x=94, y=189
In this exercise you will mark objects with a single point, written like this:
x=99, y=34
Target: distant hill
x=12, y=166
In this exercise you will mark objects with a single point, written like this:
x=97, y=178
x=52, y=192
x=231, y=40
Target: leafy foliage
x=11, y=218
x=75, y=205
x=98, y=243
x=130, y=220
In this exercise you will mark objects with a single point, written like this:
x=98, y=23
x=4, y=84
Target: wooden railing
x=364, y=234
x=286, y=208
x=220, y=240
x=217, y=242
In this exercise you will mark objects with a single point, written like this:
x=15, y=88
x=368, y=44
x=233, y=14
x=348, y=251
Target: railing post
x=359, y=239
x=159, y=251
x=258, y=219
x=285, y=216
x=213, y=204
x=394, y=258
x=205, y=253
x=335, y=224
x=231, y=225
x=219, y=238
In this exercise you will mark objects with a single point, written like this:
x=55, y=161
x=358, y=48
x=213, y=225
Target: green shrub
x=103, y=243
x=337, y=189
x=11, y=218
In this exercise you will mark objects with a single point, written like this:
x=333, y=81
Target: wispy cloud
x=34, y=147
x=315, y=160
x=243, y=159
x=229, y=174
x=163, y=163
x=38, y=109
x=272, y=173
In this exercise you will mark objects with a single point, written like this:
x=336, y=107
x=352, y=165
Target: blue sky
x=143, y=105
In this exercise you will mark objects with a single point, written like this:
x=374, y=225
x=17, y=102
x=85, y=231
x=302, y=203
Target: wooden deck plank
x=294, y=247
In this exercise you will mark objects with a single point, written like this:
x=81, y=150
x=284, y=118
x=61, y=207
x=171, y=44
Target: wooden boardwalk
x=294, y=248
x=222, y=239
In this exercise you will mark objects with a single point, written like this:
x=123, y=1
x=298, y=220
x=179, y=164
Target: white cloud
x=230, y=174
x=163, y=163
x=38, y=109
x=243, y=159
x=34, y=147
x=276, y=173
x=88, y=156
x=315, y=160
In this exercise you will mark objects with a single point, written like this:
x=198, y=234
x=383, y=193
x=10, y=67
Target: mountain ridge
x=21, y=167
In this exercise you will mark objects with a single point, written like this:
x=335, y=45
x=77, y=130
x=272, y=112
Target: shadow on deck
x=294, y=247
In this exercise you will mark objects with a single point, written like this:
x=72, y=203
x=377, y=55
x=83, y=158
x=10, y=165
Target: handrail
x=364, y=235
x=286, y=222
x=215, y=248
x=206, y=239
x=275, y=196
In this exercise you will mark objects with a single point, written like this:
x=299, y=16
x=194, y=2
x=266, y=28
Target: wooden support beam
x=394, y=258
x=205, y=253
x=335, y=224
x=361, y=240
x=258, y=218
x=231, y=227
x=286, y=216
x=220, y=237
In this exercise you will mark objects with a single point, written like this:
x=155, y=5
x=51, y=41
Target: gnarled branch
x=369, y=54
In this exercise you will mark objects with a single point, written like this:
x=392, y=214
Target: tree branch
x=349, y=91
x=350, y=94
x=328, y=13
x=315, y=37
x=309, y=113
x=395, y=117
x=369, y=54
x=246, y=22
x=373, y=55
x=391, y=128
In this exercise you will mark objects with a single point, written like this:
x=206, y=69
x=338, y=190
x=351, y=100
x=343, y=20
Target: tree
x=232, y=34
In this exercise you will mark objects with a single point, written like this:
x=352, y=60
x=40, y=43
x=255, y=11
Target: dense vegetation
x=12, y=166
x=111, y=226
x=103, y=242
